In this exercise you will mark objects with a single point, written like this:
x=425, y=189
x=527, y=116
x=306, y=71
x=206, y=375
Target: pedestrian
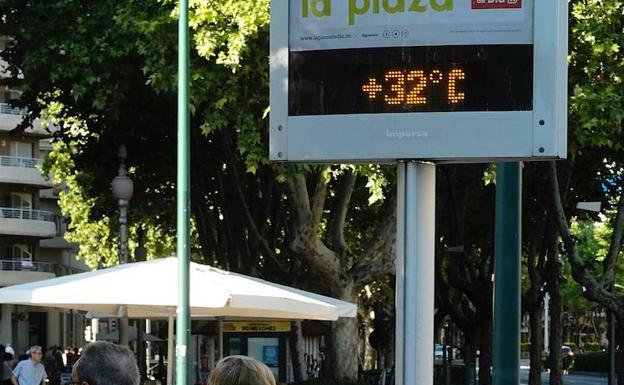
x=52, y=366
x=6, y=375
x=9, y=357
x=104, y=363
x=241, y=370
x=58, y=356
x=72, y=356
x=31, y=371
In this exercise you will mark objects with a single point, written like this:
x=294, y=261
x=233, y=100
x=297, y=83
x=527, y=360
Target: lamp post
x=123, y=187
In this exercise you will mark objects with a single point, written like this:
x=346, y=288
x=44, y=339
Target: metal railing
x=25, y=265
x=30, y=215
x=5, y=108
x=18, y=161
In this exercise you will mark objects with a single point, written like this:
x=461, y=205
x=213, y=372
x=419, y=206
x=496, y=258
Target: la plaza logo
x=496, y=4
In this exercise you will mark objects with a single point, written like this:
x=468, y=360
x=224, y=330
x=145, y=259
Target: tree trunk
x=485, y=350
x=556, y=310
x=469, y=352
x=344, y=351
x=535, y=321
x=297, y=352
x=619, y=354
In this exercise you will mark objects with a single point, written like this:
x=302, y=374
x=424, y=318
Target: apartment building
x=31, y=243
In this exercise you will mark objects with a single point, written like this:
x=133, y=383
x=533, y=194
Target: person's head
x=35, y=353
x=104, y=363
x=9, y=351
x=241, y=370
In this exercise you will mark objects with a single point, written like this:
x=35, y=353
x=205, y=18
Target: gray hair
x=241, y=370
x=104, y=363
x=33, y=349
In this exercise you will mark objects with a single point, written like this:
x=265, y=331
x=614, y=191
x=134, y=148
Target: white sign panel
x=439, y=80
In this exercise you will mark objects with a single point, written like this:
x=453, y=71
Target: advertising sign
x=270, y=355
x=256, y=326
x=326, y=24
x=449, y=80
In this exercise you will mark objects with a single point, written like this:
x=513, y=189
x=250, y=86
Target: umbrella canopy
x=149, y=289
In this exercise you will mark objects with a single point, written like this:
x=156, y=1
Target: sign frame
x=430, y=136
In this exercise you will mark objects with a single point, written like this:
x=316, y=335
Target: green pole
x=183, y=200
x=506, y=350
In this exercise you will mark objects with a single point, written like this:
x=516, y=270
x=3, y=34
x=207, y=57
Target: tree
x=107, y=76
x=597, y=123
x=466, y=227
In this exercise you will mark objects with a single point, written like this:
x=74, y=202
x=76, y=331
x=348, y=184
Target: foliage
x=107, y=76
x=98, y=246
x=567, y=361
x=592, y=347
x=571, y=345
x=592, y=362
x=593, y=244
x=597, y=67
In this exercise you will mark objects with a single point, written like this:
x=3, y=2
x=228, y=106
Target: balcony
x=10, y=117
x=14, y=272
x=18, y=170
x=30, y=223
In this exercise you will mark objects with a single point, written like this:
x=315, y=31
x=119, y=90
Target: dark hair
x=104, y=363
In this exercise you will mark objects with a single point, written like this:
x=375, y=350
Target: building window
x=22, y=252
x=22, y=149
x=21, y=201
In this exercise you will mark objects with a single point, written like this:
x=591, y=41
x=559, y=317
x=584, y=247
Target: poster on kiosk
x=442, y=80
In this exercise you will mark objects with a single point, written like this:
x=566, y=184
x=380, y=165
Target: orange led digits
x=414, y=96
x=372, y=88
x=454, y=96
x=398, y=88
x=436, y=76
x=418, y=87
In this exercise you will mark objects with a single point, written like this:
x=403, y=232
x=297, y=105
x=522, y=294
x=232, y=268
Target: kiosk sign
x=452, y=80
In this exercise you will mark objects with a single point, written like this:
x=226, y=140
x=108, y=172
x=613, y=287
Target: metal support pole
x=170, y=353
x=507, y=279
x=123, y=258
x=221, y=348
x=123, y=231
x=183, y=324
x=546, y=322
x=445, y=364
x=122, y=188
x=415, y=273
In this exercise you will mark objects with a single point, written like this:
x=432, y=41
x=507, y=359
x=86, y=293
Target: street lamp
x=123, y=187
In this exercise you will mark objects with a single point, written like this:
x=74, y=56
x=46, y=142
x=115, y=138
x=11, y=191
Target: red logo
x=496, y=4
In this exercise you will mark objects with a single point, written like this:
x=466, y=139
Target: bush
x=592, y=362
x=572, y=346
x=545, y=364
x=525, y=350
x=592, y=347
x=567, y=362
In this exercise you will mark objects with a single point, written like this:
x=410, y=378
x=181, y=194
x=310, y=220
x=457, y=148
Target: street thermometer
x=442, y=80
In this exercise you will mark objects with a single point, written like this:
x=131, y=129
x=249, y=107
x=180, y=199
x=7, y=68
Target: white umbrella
x=149, y=290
